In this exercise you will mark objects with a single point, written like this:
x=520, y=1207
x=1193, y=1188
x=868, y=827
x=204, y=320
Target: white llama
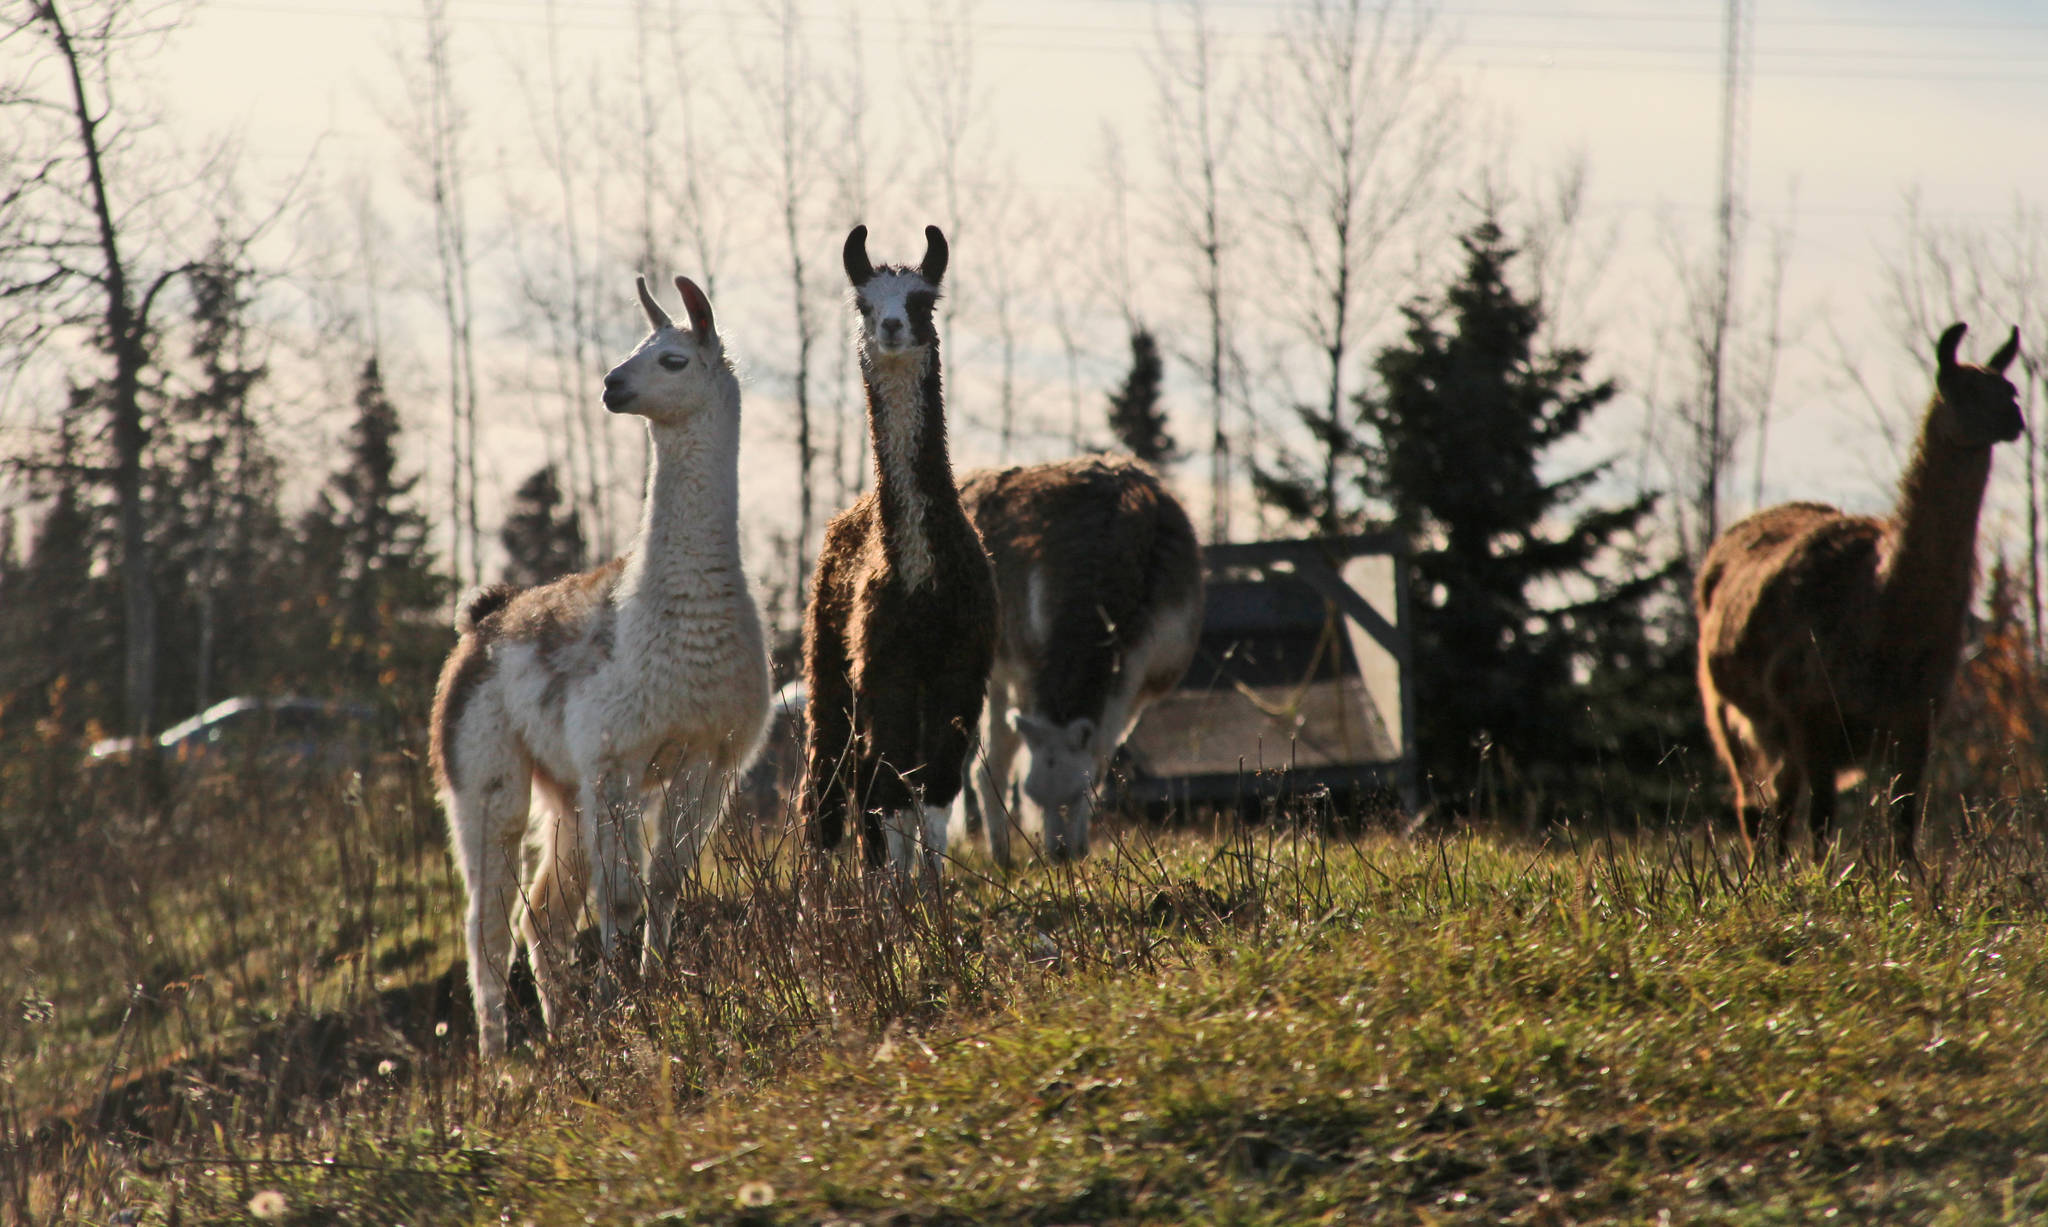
x=637, y=691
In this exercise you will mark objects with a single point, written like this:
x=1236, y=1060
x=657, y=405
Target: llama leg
x=1908, y=799
x=1821, y=812
x=830, y=753
x=486, y=823
x=690, y=811
x=935, y=817
x=944, y=776
x=554, y=903
x=1725, y=747
x=998, y=755
x=615, y=838
x=899, y=834
x=1787, y=784
x=829, y=770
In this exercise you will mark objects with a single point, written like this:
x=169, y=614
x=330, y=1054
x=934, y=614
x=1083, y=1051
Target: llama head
x=1976, y=405
x=675, y=373
x=895, y=301
x=1060, y=778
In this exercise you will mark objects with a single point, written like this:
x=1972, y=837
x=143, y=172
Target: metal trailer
x=1300, y=687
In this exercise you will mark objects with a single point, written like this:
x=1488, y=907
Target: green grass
x=1267, y=1029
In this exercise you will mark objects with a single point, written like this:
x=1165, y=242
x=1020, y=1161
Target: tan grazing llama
x=1099, y=577
x=901, y=625
x=638, y=690
x=1829, y=641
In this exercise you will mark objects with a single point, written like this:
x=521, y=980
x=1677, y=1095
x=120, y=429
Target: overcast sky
x=1851, y=107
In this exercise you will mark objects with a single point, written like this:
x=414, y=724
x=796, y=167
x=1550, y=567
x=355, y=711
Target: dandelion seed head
x=268, y=1204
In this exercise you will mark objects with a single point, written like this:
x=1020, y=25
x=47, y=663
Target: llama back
x=541, y=617
x=1089, y=555
x=1780, y=574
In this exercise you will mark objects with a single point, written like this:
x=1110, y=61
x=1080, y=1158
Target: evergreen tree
x=368, y=568
x=542, y=541
x=1521, y=595
x=1135, y=414
x=1312, y=492
x=221, y=546
x=60, y=635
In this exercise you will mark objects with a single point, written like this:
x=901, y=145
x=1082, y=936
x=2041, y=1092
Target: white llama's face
x=674, y=373
x=896, y=314
x=1060, y=775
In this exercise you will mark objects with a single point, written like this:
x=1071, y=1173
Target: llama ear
x=655, y=315
x=699, y=308
x=933, y=266
x=1945, y=349
x=1078, y=733
x=2006, y=353
x=858, y=270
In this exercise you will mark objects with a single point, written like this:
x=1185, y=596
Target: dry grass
x=261, y=992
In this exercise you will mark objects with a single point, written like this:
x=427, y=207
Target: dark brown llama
x=901, y=627
x=1828, y=641
x=1100, y=580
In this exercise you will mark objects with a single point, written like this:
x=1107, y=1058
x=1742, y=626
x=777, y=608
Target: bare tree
x=1730, y=329
x=432, y=130
x=949, y=106
x=1066, y=305
x=72, y=209
x=1356, y=126
x=847, y=160
x=559, y=276
x=790, y=105
x=697, y=159
x=1009, y=220
x=1198, y=123
x=1109, y=267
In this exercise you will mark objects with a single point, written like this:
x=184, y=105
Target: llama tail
x=482, y=604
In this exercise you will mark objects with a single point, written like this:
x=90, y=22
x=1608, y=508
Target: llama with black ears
x=901, y=628
x=625, y=700
x=1829, y=641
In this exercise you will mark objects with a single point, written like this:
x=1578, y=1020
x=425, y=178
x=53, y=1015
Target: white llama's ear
x=1078, y=733
x=699, y=308
x=1945, y=349
x=655, y=315
x=858, y=268
x=933, y=266
x=2006, y=353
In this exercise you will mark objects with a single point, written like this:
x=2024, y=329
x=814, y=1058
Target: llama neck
x=688, y=541
x=1932, y=559
x=913, y=474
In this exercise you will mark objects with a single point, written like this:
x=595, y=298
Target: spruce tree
x=364, y=548
x=542, y=540
x=221, y=546
x=1522, y=593
x=1135, y=415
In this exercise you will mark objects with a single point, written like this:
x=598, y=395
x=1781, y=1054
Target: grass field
x=252, y=1006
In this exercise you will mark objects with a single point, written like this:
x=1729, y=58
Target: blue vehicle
x=289, y=731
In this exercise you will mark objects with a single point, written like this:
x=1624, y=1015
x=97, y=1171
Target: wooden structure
x=1301, y=682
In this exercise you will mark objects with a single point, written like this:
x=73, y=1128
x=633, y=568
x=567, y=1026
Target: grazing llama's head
x=896, y=301
x=1976, y=406
x=1061, y=773
x=675, y=373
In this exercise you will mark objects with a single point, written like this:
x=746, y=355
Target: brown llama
x=1099, y=576
x=901, y=626
x=1828, y=641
